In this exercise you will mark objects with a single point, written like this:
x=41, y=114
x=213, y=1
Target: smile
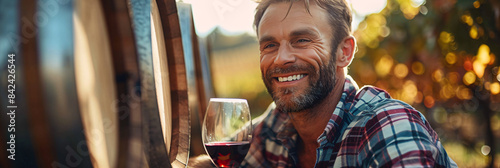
x=291, y=78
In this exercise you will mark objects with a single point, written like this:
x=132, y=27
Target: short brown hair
x=339, y=13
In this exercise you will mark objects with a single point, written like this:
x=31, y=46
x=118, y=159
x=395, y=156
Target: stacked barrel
x=99, y=83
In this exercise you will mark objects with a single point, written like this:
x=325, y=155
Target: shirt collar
x=287, y=134
x=341, y=117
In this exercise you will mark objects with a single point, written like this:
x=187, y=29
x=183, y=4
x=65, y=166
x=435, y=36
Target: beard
x=320, y=84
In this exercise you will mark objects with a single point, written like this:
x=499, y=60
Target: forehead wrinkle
x=304, y=32
x=301, y=25
x=297, y=15
x=266, y=38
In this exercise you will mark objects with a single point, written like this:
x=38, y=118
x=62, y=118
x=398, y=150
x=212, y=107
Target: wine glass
x=226, y=131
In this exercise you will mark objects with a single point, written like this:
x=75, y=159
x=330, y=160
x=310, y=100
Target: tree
x=439, y=56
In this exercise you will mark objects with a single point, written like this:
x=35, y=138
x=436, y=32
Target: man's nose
x=285, y=55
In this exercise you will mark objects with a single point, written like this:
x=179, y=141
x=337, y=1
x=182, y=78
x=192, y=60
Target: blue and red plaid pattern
x=367, y=129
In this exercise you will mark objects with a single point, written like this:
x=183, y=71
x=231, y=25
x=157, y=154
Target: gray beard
x=320, y=85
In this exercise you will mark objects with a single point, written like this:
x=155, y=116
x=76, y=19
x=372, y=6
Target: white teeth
x=290, y=78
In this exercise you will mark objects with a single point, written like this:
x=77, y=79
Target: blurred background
x=439, y=56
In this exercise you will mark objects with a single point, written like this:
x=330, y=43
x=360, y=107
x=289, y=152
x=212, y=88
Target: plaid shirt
x=367, y=129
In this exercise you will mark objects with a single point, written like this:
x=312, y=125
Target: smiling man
x=320, y=117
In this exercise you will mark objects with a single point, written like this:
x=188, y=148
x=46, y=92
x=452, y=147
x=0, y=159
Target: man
x=321, y=118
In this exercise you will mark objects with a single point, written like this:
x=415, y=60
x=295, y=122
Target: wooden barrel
x=47, y=122
x=96, y=86
x=151, y=86
x=102, y=83
x=166, y=26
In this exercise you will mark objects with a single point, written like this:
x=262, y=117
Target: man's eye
x=303, y=40
x=269, y=45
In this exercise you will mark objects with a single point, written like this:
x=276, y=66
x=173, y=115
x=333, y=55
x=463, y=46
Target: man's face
x=296, y=60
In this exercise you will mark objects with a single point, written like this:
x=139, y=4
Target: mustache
x=289, y=69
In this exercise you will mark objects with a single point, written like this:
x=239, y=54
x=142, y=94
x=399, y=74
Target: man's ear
x=345, y=51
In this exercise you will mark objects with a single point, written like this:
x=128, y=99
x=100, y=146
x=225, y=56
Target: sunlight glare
x=236, y=16
x=233, y=16
x=366, y=7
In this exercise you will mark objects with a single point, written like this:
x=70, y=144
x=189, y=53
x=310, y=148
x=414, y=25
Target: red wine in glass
x=227, y=131
x=227, y=154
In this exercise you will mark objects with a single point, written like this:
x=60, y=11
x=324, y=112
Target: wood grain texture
x=50, y=84
x=161, y=74
x=179, y=148
x=15, y=41
x=153, y=143
x=95, y=82
x=36, y=107
x=126, y=68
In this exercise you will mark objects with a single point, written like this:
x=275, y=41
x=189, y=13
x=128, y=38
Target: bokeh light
x=451, y=58
x=478, y=68
x=409, y=8
x=409, y=92
x=417, y=68
x=446, y=37
x=467, y=19
x=469, y=78
x=437, y=76
x=476, y=4
x=447, y=92
x=485, y=150
x=483, y=54
x=400, y=70
x=384, y=65
x=429, y=101
x=468, y=65
x=464, y=93
x=440, y=115
x=482, y=59
x=495, y=88
x=474, y=34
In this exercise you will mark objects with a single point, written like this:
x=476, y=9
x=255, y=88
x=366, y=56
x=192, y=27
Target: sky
x=236, y=16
